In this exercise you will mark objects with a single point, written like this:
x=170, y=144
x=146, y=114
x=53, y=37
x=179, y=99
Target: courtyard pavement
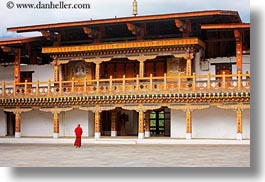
x=123, y=152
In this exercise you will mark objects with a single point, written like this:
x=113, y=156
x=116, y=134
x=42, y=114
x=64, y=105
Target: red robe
x=78, y=134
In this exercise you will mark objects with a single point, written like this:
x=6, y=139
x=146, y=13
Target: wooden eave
x=125, y=45
x=124, y=20
x=226, y=26
x=20, y=40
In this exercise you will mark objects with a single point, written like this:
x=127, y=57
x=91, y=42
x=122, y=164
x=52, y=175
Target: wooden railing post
x=14, y=91
x=26, y=87
x=60, y=87
x=179, y=82
x=137, y=84
x=110, y=84
x=194, y=82
x=85, y=85
x=165, y=82
x=209, y=81
x=151, y=82
x=123, y=84
x=73, y=85
x=49, y=87
x=3, y=88
x=223, y=81
x=97, y=89
x=239, y=80
x=37, y=88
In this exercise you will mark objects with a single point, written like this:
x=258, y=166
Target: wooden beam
x=227, y=26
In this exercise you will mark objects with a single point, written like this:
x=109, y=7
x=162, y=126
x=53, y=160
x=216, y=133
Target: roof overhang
x=226, y=26
x=19, y=40
x=125, y=20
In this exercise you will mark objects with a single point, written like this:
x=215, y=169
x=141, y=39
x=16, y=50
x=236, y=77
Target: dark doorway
x=10, y=124
x=157, y=123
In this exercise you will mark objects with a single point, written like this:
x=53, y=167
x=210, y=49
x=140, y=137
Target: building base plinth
x=239, y=136
x=56, y=135
x=147, y=134
x=188, y=136
x=140, y=135
x=113, y=133
x=17, y=134
x=97, y=135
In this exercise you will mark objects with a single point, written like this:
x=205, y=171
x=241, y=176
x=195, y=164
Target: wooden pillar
x=141, y=125
x=147, y=124
x=97, y=125
x=188, y=67
x=17, y=66
x=189, y=56
x=141, y=69
x=56, y=70
x=188, y=124
x=18, y=125
x=114, y=123
x=56, y=124
x=97, y=76
x=239, y=124
x=238, y=50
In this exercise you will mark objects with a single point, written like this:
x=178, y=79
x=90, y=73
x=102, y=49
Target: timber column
x=97, y=125
x=189, y=56
x=17, y=66
x=56, y=124
x=56, y=70
x=18, y=112
x=18, y=125
x=188, y=125
x=141, y=125
x=114, y=123
x=141, y=58
x=147, y=124
x=238, y=38
x=239, y=124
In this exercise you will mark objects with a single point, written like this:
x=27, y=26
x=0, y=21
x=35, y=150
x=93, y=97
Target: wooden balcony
x=221, y=85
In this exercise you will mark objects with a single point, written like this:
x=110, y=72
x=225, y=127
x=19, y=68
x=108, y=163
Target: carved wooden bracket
x=18, y=110
x=185, y=28
x=97, y=108
x=91, y=33
x=188, y=107
x=56, y=110
x=235, y=107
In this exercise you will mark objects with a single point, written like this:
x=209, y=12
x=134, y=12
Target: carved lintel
x=97, y=108
x=189, y=53
x=56, y=110
x=63, y=62
x=235, y=107
x=18, y=110
x=141, y=57
x=97, y=60
x=179, y=55
x=141, y=107
x=188, y=107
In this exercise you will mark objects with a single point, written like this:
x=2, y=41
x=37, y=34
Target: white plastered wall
x=245, y=63
x=41, y=72
x=2, y=123
x=37, y=123
x=212, y=123
x=70, y=119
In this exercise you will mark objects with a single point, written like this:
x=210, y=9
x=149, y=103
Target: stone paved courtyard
x=112, y=155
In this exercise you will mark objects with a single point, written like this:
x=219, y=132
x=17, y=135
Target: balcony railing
x=129, y=86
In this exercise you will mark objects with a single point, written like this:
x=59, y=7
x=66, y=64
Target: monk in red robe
x=78, y=134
